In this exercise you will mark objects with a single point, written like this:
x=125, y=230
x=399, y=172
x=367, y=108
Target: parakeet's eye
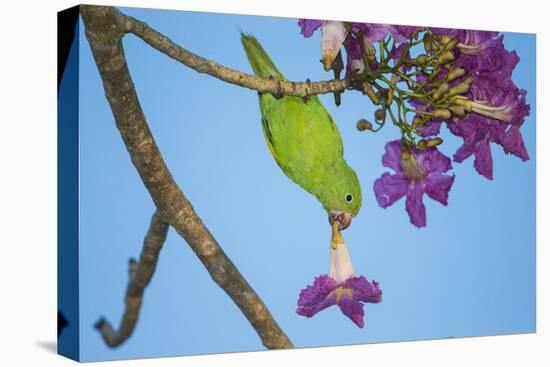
x=349, y=198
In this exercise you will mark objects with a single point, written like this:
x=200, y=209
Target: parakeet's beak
x=343, y=218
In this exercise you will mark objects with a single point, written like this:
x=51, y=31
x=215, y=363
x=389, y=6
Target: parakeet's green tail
x=259, y=59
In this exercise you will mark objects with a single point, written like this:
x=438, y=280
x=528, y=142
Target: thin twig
x=139, y=274
x=104, y=33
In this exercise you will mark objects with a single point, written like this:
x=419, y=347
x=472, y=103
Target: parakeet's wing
x=302, y=137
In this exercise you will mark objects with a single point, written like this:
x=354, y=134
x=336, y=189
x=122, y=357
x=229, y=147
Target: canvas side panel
x=67, y=184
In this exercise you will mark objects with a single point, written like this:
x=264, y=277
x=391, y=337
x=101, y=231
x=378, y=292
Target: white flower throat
x=341, y=268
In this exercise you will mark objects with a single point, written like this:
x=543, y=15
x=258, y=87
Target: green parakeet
x=306, y=143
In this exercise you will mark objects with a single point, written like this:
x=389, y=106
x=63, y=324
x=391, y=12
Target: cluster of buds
x=443, y=90
x=437, y=82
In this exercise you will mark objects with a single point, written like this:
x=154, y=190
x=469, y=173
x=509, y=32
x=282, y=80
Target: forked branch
x=105, y=27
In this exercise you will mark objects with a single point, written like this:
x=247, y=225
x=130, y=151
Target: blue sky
x=470, y=272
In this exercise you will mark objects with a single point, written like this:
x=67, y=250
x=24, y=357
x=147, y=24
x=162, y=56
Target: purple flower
x=349, y=296
x=498, y=106
x=422, y=172
x=489, y=124
x=340, y=288
x=499, y=112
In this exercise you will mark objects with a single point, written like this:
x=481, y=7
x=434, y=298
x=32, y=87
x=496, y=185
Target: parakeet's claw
x=343, y=218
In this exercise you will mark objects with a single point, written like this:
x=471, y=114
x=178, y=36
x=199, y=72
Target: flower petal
x=483, y=161
x=513, y=143
x=309, y=26
x=462, y=153
x=392, y=156
x=414, y=205
x=438, y=186
x=317, y=297
x=434, y=161
x=354, y=56
x=432, y=129
x=363, y=290
x=376, y=32
x=353, y=310
x=389, y=188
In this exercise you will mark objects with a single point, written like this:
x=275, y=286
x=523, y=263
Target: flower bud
x=434, y=73
x=457, y=110
x=435, y=84
x=367, y=89
x=443, y=39
x=419, y=121
x=370, y=51
x=363, y=125
x=469, y=80
x=454, y=74
x=389, y=99
x=434, y=142
x=452, y=43
x=459, y=89
x=422, y=144
x=428, y=42
x=440, y=91
x=442, y=113
x=446, y=58
x=379, y=114
x=421, y=58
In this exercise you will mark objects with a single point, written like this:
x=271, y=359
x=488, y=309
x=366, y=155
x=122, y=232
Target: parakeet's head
x=341, y=194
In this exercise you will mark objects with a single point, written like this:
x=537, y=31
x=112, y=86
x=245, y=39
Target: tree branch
x=200, y=64
x=104, y=31
x=140, y=274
